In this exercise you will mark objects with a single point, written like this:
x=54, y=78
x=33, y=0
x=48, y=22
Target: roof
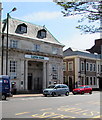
x=97, y=47
x=70, y=52
x=32, y=30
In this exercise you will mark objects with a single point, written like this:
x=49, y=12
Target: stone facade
x=35, y=57
x=81, y=68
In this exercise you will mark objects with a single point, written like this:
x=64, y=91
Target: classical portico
x=36, y=73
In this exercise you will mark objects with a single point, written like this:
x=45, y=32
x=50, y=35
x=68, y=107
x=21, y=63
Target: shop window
x=13, y=69
x=13, y=43
x=41, y=34
x=22, y=28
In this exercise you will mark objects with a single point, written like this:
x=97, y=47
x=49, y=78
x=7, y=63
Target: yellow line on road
x=46, y=109
x=97, y=116
x=22, y=113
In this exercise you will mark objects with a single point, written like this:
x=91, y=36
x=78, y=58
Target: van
x=5, y=86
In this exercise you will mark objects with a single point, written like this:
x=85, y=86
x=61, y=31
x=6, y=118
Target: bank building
x=35, y=57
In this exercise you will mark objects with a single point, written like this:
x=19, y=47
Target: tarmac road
x=38, y=106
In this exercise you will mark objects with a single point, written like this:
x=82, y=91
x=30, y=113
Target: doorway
x=100, y=83
x=30, y=81
x=35, y=76
x=70, y=83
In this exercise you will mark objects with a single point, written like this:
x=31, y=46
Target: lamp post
x=14, y=9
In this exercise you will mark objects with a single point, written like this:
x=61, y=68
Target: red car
x=82, y=89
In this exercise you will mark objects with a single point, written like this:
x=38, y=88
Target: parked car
x=57, y=89
x=82, y=89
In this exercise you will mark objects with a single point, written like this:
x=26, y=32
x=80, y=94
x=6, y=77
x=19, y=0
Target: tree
x=91, y=11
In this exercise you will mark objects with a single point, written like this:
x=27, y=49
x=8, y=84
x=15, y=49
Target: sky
x=49, y=14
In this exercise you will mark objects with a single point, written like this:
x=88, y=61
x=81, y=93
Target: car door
x=86, y=89
x=64, y=89
x=58, y=90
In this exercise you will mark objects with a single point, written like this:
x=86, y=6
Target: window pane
x=13, y=69
x=70, y=66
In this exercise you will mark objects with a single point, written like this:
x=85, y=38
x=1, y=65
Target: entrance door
x=30, y=82
x=100, y=83
x=37, y=84
x=70, y=83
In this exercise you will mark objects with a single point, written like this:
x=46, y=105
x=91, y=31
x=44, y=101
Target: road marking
x=97, y=116
x=44, y=115
x=51, y=115
x=21, y=113
x=78, y=111
x=78, y=103
x=46, y=109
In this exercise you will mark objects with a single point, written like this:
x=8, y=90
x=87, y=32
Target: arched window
x=22, y=28
x=41, y=34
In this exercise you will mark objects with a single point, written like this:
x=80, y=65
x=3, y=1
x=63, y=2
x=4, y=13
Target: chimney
x=98, y=42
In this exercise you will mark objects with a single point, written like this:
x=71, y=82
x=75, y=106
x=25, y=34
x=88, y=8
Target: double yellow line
x=21, y=113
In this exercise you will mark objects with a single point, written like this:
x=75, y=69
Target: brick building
x=97, y=48
x=81, y=68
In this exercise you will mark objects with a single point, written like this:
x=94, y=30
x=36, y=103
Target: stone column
x=44, y=75
x=26, y=75
x=22, y=74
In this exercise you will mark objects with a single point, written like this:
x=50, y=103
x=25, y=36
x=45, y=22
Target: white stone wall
x=19, y=57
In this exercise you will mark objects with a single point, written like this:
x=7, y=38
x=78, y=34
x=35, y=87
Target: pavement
x=27, y=95
x=37, y=95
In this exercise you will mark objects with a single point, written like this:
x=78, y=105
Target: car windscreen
x=81, y=87
x=51, y=86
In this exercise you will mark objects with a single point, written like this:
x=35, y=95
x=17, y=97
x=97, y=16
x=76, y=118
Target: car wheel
x=82, y=92
x=90, y=92
x=3, y=97
x=53, y=94
x=59, y=94
x=67, y=93
x=45, y=95
x=74, y=93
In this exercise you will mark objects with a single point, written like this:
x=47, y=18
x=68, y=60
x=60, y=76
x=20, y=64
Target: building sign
x=36, y=57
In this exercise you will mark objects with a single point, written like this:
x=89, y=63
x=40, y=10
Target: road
x=72, y=106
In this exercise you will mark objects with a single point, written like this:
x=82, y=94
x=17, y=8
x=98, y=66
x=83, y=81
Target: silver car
x=57, y=89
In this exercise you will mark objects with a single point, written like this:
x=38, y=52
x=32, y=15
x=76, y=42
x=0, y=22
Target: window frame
x=13, y=43
x=42, y=34
x=70, y=63
x=37, y=47
x=13, y=69
x=82, y=66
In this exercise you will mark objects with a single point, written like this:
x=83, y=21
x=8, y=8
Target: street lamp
x=14, y=9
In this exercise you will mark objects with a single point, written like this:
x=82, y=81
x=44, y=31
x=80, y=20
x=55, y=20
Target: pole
x=85, y=69
x=7, y=44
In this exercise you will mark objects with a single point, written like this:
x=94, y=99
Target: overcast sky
x=49, y=14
